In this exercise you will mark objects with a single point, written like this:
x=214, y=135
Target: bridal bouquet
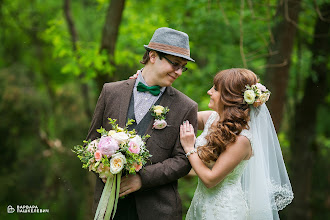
x=116, y=151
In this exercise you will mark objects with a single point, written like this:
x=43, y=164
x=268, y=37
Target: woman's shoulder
x=247, y=134
x=203, y=117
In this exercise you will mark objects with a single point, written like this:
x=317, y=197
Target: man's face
x=167, y=71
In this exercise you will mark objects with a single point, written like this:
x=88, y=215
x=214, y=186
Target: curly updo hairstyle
x=235, y=117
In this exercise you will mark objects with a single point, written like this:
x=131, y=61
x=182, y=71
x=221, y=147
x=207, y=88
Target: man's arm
x=97, y=117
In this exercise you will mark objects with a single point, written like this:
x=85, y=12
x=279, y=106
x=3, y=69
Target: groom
x=152, y=193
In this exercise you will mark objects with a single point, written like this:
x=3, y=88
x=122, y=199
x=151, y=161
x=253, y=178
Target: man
x=152, y=193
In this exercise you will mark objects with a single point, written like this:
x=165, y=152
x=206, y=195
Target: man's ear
x=152, y=56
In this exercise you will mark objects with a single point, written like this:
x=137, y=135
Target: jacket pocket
x=165, y=138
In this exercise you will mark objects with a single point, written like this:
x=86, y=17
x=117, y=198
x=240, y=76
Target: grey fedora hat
x=170, y=41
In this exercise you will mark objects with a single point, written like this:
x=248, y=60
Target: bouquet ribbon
x=109, y=198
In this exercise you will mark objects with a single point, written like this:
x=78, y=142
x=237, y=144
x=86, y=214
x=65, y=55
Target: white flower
x=159, y=124
x=120, y=137
x=258, y=91
x=158, y=107
x=264, y=97
x=111, y=132
x=117, y=163
x=249, y=96
x=158, y=110
x=91, y=147
x=138, y=140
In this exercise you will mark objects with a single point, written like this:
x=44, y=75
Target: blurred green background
x=56, y=55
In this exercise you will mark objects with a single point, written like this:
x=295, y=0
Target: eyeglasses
x=176, y=66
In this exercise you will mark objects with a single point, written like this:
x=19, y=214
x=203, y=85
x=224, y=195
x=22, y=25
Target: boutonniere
x=159, y=112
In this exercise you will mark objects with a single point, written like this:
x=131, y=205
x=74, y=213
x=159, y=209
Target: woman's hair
x=231, y=85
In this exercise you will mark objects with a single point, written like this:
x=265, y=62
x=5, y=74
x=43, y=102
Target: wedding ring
x=188, y=130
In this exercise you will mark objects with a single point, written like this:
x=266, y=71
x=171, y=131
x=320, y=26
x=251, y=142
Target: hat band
x=169, y=48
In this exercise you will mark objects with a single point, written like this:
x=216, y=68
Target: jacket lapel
x=126, y=94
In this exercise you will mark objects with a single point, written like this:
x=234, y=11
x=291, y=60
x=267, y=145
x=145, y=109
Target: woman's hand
x=135, y=75
x=187, y=136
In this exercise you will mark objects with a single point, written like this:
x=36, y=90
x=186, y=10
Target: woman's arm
x=202, y=118
x=226, y=162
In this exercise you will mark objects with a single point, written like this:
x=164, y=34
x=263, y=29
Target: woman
x=237, y=157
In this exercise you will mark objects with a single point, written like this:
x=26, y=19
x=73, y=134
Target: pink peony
x=108, y=146
x=133, y=147
x=98, y=155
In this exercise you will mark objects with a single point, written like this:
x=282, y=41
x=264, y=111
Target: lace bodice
x=224, y=201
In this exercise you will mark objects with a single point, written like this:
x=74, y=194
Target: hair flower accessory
x=256, y=95
x=159, y=112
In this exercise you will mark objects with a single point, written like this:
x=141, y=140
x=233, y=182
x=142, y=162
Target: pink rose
x=98, y=155
x=159, y=124
x=108, y=146
x=133, y=147
x=137, y=166
x=261, y=87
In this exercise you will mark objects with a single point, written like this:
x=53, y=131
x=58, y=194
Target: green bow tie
x=154, y=90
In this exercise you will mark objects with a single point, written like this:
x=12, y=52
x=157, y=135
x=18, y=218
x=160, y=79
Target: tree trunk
x=303, y=147
x=109, y=38
x=278, y=65
x=74, y=38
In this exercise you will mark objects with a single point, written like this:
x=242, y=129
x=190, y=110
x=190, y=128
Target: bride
x=237, y=157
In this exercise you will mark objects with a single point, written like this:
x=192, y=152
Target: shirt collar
x=141, y=79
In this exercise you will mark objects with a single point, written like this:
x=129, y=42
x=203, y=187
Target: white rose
x=263, y=97
x=249, y=96
x=138, y=140
x=117, y=163
x=92, y=146
x=120, y=137
x=159, y=107
x=111, y=132
x=158, y=112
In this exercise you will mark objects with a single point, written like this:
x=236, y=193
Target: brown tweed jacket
x=158, y=198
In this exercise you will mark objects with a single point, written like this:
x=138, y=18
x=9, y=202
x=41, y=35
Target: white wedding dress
x=225, y=201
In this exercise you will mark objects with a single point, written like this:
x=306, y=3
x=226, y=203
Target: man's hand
x=129, y=184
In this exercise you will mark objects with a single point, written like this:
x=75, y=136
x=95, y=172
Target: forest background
x=56, y=55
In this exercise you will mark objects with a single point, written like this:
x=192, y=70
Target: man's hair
x=146, y=58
